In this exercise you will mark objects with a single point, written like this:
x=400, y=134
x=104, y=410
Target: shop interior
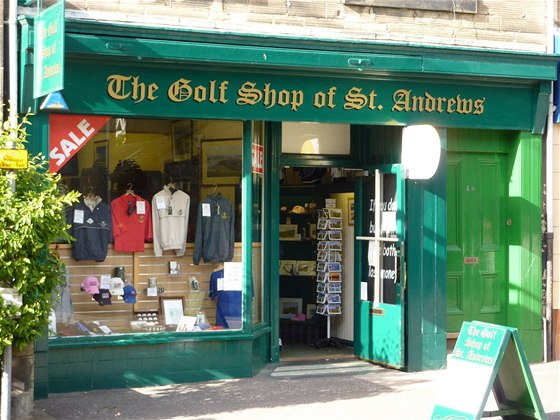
x=316, y=247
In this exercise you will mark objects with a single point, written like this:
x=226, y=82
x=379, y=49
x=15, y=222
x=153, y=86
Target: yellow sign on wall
x=13, y=158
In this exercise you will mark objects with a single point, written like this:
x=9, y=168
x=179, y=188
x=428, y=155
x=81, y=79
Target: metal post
x=6, y=384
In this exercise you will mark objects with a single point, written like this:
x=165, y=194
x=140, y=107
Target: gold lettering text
x=355, y=99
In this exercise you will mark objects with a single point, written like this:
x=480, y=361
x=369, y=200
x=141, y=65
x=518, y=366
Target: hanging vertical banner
x=48, y=59
x=68, y=134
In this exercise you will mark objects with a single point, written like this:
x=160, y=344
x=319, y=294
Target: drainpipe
x=549, y=196
x=5, y=401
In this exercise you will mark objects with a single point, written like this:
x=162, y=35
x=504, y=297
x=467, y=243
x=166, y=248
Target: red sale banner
x=68, y=134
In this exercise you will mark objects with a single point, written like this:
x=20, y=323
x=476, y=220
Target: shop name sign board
x=128, y=87
x=487, y=357
x=202, y=93
x=48, y=60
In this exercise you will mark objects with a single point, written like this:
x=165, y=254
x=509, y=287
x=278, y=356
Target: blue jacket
x=91, y=227
x=215, y=233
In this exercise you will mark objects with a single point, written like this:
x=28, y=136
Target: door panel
x=476, y=252
x=379, y=333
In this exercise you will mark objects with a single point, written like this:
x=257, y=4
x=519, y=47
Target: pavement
x=331, y=388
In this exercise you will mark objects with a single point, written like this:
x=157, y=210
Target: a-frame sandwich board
x=488, y=357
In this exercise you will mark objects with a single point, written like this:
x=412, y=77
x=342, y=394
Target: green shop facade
x=467, y=240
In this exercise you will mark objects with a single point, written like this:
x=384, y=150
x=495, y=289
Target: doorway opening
x=316, y=272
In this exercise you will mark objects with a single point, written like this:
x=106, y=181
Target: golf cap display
x=90, y=285
x=117, y=286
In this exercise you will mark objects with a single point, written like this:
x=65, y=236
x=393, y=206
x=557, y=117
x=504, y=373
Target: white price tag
x=160, y=203
x=78, y=216
x=140, y=207
x=206, y=210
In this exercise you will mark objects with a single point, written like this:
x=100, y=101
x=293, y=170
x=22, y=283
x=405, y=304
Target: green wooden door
x=476, y=238
x=379, y=326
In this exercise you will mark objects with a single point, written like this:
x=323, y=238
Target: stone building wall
x=497, y=24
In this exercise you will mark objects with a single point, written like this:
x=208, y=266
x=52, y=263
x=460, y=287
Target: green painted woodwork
x=293, y=51
x=193, y=91
x=517, y=224
x=380, y=326
x=425, y=320
x=272, y=251
x=524, y=242
x=84, y=369
x=476, y=238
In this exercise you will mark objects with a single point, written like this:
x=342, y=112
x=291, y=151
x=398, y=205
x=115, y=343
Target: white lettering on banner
x=68, y=145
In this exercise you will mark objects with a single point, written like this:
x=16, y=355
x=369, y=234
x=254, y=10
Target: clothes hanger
x=90, y=193
x=129, y=190
x=171, y=184
x=214, y=190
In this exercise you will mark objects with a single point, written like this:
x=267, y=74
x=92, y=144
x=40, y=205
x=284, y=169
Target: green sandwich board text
x=488, y=357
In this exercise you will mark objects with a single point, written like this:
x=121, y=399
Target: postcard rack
x=329, y=269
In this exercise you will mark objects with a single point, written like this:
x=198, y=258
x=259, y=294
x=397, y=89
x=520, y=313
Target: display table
x=307, y=332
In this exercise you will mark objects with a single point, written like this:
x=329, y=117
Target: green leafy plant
x=31, y=218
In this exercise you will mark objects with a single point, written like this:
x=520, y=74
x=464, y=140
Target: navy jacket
x=215, y=233
x=92, y=230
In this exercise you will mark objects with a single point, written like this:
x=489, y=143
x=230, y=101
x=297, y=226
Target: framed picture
x=306, y=268
x=290, y=307
x=100, y=152
x=288, y=232
x=287, y=267
x=351, y=211
x=181, y=132
x=310, y=310
x=172, y=309
x=221, y=161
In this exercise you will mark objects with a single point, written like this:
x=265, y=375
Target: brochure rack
x=329, y=269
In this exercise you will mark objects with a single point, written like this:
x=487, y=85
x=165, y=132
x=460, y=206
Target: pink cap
x=90, y=285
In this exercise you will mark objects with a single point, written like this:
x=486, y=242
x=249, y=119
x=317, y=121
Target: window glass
x=158, y=229
x=315, y=138
x=258, y=214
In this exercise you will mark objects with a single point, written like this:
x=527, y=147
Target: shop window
x=158, y=229
x=316, y=139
